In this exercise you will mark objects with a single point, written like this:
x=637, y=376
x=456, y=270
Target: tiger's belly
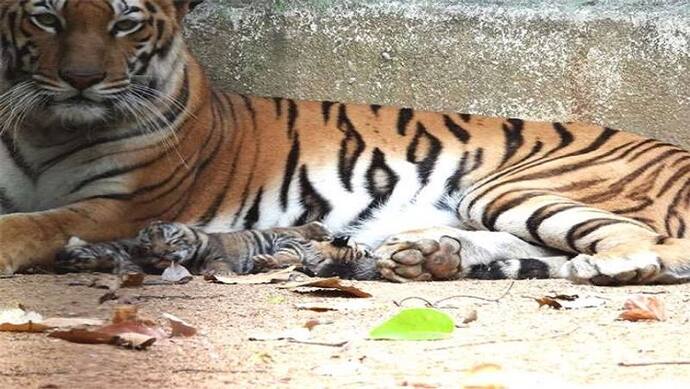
x=380, y=201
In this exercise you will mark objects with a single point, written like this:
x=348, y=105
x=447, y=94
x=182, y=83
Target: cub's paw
x=420, y=260
x=637, y=268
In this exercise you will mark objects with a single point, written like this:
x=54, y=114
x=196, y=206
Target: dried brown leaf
x=639, y=308
x=335, y=283
x=345, y=305
x=132, y=280
x=274, y=277
x=470, y=316
x=79, y=335
x=179, y=327
x=20, y=320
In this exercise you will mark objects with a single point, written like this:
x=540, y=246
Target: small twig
x=511, y=340
x=651, y=363
x=437, y=302
x=181, y=297
x=34, y=373
x=494, y=300
x=213, y=371
x=401, y=302
x=338, y=344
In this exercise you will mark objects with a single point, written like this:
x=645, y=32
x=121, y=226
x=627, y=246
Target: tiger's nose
x=82, y=80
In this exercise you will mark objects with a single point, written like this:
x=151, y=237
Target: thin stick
x=339, y=344
x=511, y=340
x=657, y=363
x=436, y=303
x=494, y=300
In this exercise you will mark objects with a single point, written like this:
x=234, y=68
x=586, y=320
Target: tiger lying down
x=312, y=247
x=108, y=122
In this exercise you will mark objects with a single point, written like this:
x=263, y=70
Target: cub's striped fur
x=111, y=125
x=159, y=244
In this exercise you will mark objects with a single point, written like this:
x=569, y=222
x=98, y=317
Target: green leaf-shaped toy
x=415, y=324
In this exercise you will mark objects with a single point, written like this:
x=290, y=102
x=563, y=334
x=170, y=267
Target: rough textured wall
x=623, y=63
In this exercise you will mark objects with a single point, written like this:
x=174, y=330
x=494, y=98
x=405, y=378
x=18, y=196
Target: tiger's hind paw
x=420, y=260
x=637, y=268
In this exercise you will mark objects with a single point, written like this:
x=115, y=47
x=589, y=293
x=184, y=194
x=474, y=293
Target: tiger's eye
x=47, y=20
x=126, y=25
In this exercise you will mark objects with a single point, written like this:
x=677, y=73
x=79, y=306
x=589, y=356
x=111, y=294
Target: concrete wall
x=623, y=63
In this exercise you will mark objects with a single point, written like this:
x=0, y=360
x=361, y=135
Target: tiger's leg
x=446, y=253
x=286, y=250
x=611, y=249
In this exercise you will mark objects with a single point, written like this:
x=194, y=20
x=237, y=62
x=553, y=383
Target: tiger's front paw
x=420, y=260
x=637, y=268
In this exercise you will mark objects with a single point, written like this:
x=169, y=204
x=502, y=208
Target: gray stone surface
x=622, y=63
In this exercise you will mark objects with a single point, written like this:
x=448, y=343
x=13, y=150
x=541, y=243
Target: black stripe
x=278, y=101
x=254, y=212
x=326, y=110
x=454, y=182
x=17, y=157
x=581, y=230
x=290, y=167
x=351, y=147
x=380, y=191
x=425, y=164
x=292, y=117
x=404, y=117
x=316, y=207
x=375, y=108
x=460, y=133
x=6, y=204
x=513, y=139
x=536, y=219
x=565, y=135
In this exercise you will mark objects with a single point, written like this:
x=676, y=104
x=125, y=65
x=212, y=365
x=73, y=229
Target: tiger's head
x=78, y=63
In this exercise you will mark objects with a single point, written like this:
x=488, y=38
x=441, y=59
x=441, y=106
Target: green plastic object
x=415, y=324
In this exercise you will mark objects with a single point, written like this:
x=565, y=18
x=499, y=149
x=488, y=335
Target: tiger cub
x=160, y=244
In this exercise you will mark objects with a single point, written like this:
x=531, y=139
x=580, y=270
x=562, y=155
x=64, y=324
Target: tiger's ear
x=185, y=6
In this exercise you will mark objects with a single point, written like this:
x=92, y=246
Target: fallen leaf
x=346, y=305
x=179, y=326
x=70, y=322
x=20, y=320
x=310, y=324
x=84, y=336
x=274, y=277
x=125, y=312
x=638, y=308
x=563, y=301
x=123, y=339
x=132, y=280
x=176, y=273
x=415, y=324
x=329, y=283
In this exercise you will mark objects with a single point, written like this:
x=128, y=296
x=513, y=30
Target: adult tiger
x=109, y=122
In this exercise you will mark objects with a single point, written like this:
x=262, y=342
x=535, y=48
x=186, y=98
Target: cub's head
x=168, y=242
x=81, y=62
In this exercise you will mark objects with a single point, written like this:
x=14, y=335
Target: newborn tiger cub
x=310, y=246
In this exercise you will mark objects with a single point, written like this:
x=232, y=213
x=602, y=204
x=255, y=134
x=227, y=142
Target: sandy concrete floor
x=578, y=346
